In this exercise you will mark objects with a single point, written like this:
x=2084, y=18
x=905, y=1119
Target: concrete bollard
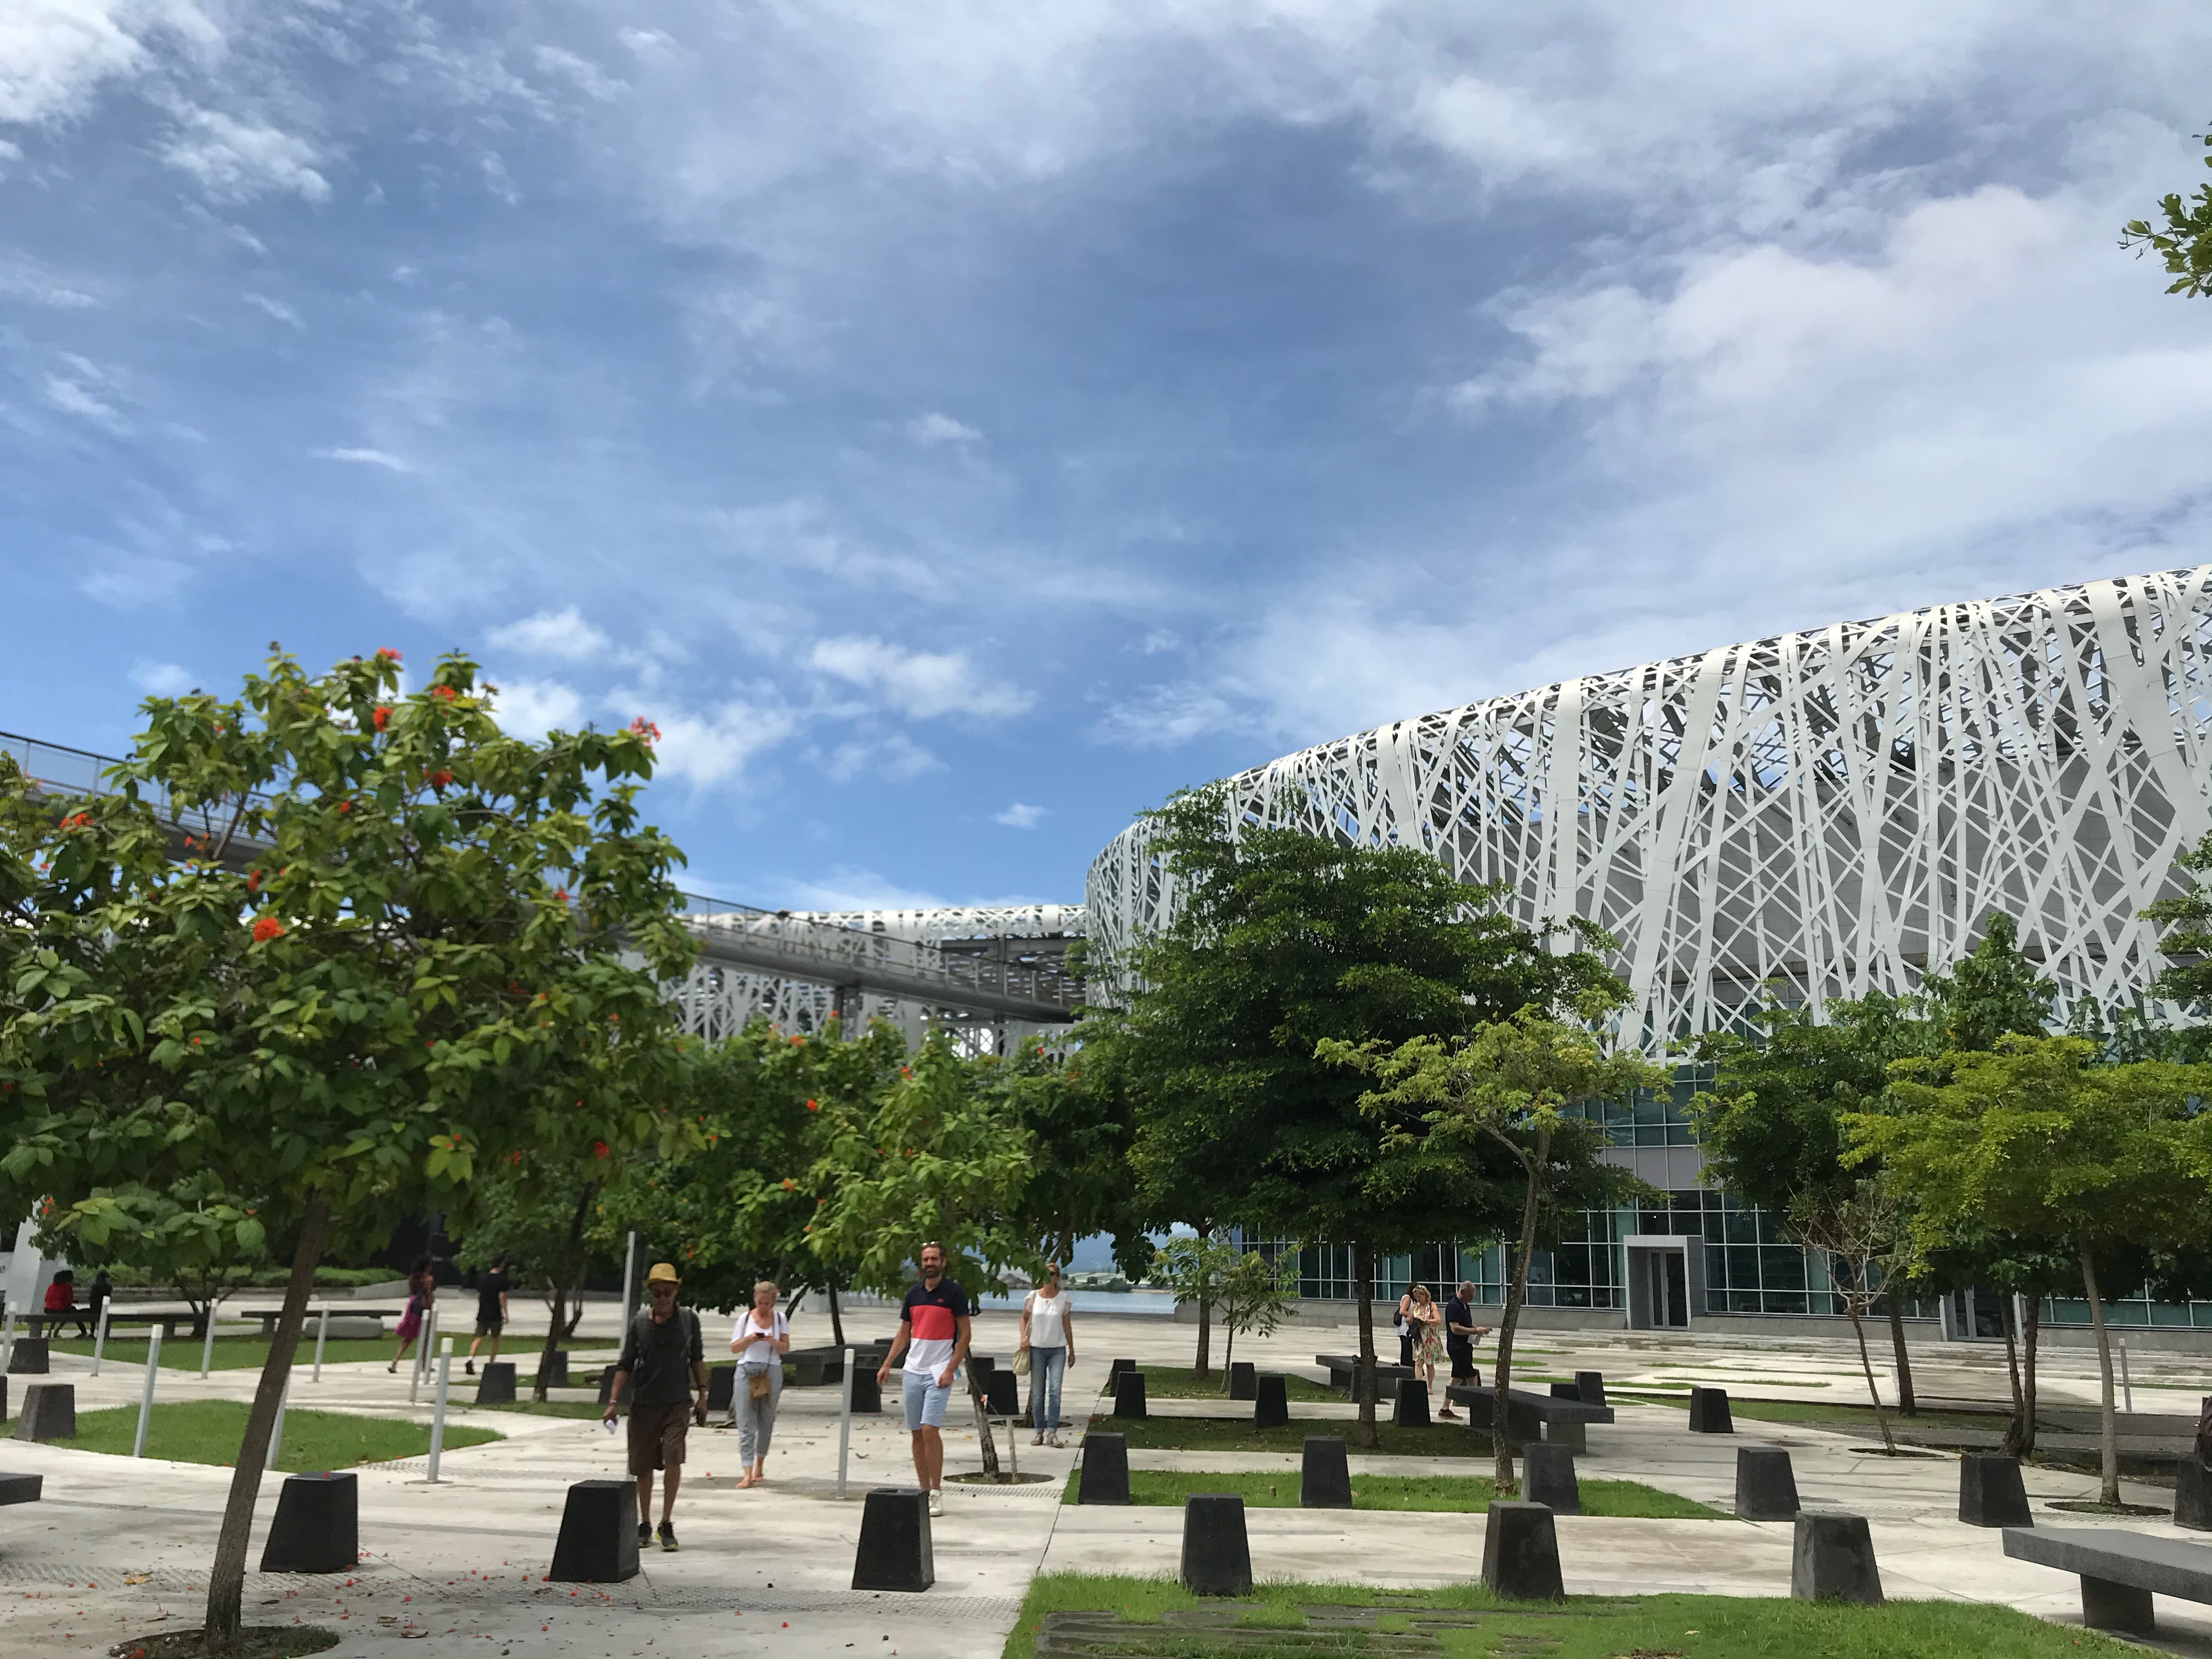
x=1567, y=1391
x=3, y=1396
x=1547, y=1477
x=867, y=1393
x=1271, y=1400
x=895, y=1552
x=1324, y=1474
x=1240, y=1379
x=1002, y=1394
x=722, y=1387
x=495, y=1385
x=317, y=1527
x=2192, y=1495
x=1520, y=1552
x=1129, y=1394
x=1992, y=1494
x=49, y=1413
x=1833, y=1560
x=599, y=1534
x=1765, y=1484
x=1591, y=1386
x=553, y=1368
x=1104, y=1478
x=1411, y=1408
x=29, y=1358
x=1217, y=1557
x=1708, y=1412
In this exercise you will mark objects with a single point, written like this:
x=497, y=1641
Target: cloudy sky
x=959, y=425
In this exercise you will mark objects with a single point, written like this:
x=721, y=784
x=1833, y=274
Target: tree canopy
x=2181, y=236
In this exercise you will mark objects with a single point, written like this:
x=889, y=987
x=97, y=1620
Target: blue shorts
x=925, y=1401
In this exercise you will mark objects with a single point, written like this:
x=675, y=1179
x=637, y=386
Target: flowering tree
x=396, y=957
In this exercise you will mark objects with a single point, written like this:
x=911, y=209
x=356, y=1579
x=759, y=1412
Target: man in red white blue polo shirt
x=935, y=1326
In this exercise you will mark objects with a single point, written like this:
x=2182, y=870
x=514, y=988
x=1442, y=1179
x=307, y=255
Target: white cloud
x=1168, y=716
x=715, y=746
x=563, y=635
x=235, y=160
x=530, y=708
x=65, y=393
x=161, y=679
x=22, y=281
x=1021, y=815
x=934, y=428
x=892, y=758
x=921, y=683
x=54, y=54
x=276, y=308
x=366, y=458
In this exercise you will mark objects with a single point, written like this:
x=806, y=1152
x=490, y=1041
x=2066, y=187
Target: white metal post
x=146, y=1399
x=2127, y=1383
x=417, y=1371
x=438, y=1404
x=322, y=1335
x=207, y=1347
x=8, y=1341
x=845, y=1423
x=98, y=1338
x=277, y=1434
x=630, y=1288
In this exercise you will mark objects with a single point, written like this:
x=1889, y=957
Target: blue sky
x=958, y=426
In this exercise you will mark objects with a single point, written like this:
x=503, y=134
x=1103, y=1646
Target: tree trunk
x=983, y=1440
x=569, y=1269
x=1363, y=1377
x=227, y=1580
x=2028, y=1333
x=560, y=1300
x=1502, y=1482
x=1905, y=1405
x=2016, y=1431
x=1228, y=1355
x=2109, y=1449
x=1866, y=1364
x=836, y=1319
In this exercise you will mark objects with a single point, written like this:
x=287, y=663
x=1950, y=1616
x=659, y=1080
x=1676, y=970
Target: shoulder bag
x=1022, y=1354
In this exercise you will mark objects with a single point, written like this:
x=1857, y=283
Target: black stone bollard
x=606, y=1384
x=21, y=1488
x=895, y=1552
x=1833, y=1560
x=1240, y=1380
x=1765, y=1484
x=1708, y=1412
x=317, y=1527
x=1104, y=1478
x=1114, y=1373
x=1271, y=1400
x=1547, y=1477
x=722, y=1387
x=1991, y=1493
x=3, y=1399
x=1002, y=1394
x=49, y=1413
x=1129, y=1394
x=1591, y=1386
x=1217, y=1557
x=1567, y=1391
x=867, y=1393
x=28, y=1358
x=553, y=1368
x=1325, y=1475
x=2192, y=1495
x=1411, y=1408
x=599, y=1534
x=1520, y=1552
x=495, y=1383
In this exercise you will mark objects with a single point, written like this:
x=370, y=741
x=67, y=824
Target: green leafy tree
x=1195, y=1267
x=1861, y=1232
x=2181, y=236
x=536, y=1213
x=1077, y=1118
x=1283, y=941
x=2186, y=942
x=1511, y=1084
x=1258, y=1296
x=395, y=958
x=2035, y=1141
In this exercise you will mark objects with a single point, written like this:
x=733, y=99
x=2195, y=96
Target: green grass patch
x=1242, y=1434
x=209, y=1431
x=232, y=1354
x=1836, y=1412
x=1442, y=1493
x=1585, y=1628
x=1182, y=1382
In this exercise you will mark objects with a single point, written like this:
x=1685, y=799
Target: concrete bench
x=175, y=1323
x=1343, y=1371
x=825, y=1366
x=2120, y=1571
x=21, y=1488
x=1531, y=1416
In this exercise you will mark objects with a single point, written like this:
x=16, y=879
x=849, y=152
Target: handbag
x=1021, y=1362
x=756, y=1385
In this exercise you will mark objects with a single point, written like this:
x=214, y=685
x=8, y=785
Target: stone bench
x=1343, y=1369
x=2120, y=1570
x=1532, y=1416
x=21, y=1488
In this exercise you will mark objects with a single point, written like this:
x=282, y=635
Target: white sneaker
x=936, y=1501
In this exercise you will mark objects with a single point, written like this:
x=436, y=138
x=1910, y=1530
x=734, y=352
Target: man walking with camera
x=663, y=1356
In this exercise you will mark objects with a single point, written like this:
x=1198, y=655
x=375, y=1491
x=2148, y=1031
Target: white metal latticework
x=1828, y=813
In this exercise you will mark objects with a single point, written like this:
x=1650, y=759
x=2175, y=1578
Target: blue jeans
x=1047, y=1367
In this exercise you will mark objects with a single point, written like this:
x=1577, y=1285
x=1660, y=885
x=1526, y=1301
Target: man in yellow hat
x=659, y=1351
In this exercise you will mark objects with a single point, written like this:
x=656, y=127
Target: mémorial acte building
x=1810, y=816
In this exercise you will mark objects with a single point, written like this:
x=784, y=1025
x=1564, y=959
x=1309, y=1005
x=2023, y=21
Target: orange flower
x=382, y=713
x=266, y=928
x=598, y=1149
x=813, y=1105
x=443, y=693
x=387, y=653
x=440, y=778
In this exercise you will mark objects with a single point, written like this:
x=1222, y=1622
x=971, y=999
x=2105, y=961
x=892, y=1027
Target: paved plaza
x=120, y=1547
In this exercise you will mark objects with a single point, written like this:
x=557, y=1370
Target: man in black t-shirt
x=491, y=1311
x=663, y=1354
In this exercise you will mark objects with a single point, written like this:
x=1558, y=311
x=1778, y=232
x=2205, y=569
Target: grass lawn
x=1824, y=1411
x=1640, y=1627
x=1449, y=1493
x=251, y=1352
x=209, y=1431
x=1182, y=1382
x=1241, y=1434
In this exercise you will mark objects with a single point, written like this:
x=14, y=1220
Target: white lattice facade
x=1829, y=813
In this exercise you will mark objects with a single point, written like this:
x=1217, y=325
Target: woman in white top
x=760, y=1339
x=1048, y=1334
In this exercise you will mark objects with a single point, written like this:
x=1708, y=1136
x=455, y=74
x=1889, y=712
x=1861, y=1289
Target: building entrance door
x=1664, y=1280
